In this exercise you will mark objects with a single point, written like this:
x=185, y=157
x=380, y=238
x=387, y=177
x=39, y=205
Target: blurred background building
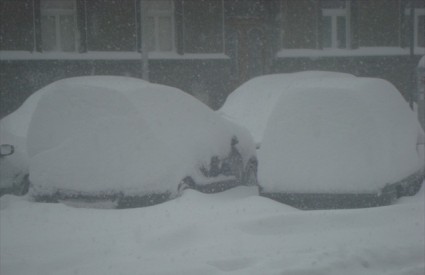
x=205, y=47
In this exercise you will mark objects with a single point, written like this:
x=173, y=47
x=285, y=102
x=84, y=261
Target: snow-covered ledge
x=111, y=55
x=363, y=51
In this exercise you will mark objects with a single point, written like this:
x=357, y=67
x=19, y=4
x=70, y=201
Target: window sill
x=363, y=51
x=25, y=55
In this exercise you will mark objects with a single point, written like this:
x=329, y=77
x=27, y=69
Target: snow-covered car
x=131, y=142
x=330, y=140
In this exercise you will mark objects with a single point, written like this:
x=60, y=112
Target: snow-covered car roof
x=120, y=134
x=251, y=104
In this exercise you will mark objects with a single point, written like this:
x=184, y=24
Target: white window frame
x=156, y=14
x=416, y=13
x=57, y=12
x=334, y=13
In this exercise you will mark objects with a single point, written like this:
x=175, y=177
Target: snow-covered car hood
x=118, y=134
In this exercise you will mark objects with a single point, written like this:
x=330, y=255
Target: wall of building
x=255, y=32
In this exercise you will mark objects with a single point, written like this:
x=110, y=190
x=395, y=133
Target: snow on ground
x=234, y=232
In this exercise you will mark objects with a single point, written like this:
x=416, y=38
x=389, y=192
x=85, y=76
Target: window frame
x=416, y=14
x=57, y=13
x=157, y=14
x=334, y=13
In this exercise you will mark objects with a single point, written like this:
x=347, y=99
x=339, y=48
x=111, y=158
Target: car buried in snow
x=130, y=143
x=330, y=140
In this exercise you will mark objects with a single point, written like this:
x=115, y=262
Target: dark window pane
x=159, y=5
x=48, y=31
x=246, y=8
x=203, y=31
x=333, y=4
x=111, y=25
x=165, y=35
x=326, y=32
x=255, y=53
x=341, y=32
x=16, y=25
x=150, y=33
x=67, y=33
x=421, y=31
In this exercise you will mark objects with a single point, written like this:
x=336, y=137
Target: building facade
x=205, y=47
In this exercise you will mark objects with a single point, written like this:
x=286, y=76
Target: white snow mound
x=118, y=134
x=339, y=135
x=251, y=104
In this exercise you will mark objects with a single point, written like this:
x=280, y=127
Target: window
x=16, y=25
x=160, y=25
x=111, y=25
x=418, y=26
x=335, y=24
x=58, y=25
x=205, y=37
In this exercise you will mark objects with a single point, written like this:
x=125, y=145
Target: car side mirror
x=6, y=150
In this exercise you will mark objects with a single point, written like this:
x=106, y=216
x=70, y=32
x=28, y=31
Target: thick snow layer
x=234, y=232
x=339, y=135
x=251, y=104
x=116, y=134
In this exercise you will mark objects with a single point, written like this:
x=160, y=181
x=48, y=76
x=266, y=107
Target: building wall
x=299, y=24
x=202, y=63
x=16, y=25
x=379, y=23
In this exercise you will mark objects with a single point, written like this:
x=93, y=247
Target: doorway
x=248, y=45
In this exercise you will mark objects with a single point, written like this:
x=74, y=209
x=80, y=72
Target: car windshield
x=212, y=137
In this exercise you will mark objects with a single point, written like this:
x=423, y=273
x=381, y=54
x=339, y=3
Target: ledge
x=364, y=51
x=25, y=55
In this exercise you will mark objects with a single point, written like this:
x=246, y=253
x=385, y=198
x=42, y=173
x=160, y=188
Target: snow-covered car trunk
x=129, y=141
x=331, y=140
